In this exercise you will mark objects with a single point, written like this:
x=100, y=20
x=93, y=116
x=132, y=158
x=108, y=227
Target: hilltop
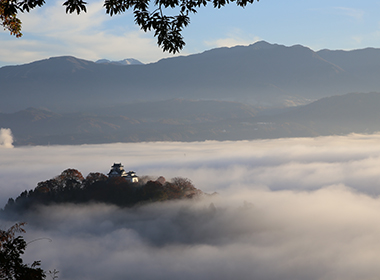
x=71, y=187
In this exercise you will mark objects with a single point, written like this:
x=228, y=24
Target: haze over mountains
x=221, y=94
x=261, y=74
x=184, y=120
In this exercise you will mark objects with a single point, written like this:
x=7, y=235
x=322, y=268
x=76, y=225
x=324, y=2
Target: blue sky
x=49, y=31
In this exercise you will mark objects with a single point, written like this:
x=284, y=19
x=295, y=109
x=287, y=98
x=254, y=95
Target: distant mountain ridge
x=172, y=120
x=186, y=120
x=349, y=113
x=262, y=74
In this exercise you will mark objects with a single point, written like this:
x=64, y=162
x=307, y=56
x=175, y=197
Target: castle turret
x=132, y=177
x=117, y=170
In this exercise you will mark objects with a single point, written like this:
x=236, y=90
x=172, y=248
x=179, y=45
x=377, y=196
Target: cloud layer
x=287, y=209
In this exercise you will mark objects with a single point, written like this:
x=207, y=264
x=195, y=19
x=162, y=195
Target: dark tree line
x=71, y=187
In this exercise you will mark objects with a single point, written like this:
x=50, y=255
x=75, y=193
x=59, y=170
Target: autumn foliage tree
x=9, y=19
x=166, y=18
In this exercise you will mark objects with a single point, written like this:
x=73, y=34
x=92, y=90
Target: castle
x=117, y=170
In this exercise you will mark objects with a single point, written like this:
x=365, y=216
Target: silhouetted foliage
x=149, y=15
x=91, y=178
x=12, y=247
x=71, y=187
x=53, y=274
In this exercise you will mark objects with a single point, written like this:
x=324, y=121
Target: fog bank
x=287, y=209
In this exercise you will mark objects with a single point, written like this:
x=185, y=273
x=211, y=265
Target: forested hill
x=71, y=187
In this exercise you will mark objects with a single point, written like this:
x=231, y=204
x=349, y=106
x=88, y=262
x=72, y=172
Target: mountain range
x=258, y=91
x=262, y=74
x=185, y=120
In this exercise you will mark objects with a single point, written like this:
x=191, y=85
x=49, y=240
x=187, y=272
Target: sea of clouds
x=305, y=208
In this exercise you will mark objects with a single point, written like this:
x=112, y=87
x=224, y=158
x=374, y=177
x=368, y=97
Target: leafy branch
x=149, y=15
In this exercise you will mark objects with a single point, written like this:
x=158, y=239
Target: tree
x=186, y=187
x=9, y=20
x=12, y=247
x=70, y=179
x=71, y=174
x=183, y=183
x=149, y=15
x=94, y=177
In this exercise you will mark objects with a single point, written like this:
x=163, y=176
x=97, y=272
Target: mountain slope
x=184, y=120
x=262, y=74
x=363, y=64
x=349, y=113
x=172, y=120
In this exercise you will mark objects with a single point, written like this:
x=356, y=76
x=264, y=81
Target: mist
x=6, y=138
x=303, y=208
